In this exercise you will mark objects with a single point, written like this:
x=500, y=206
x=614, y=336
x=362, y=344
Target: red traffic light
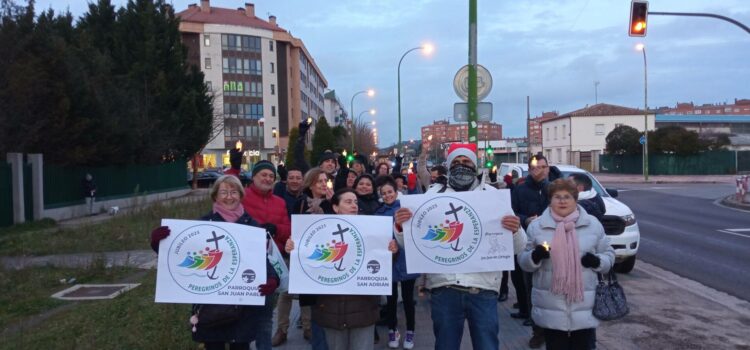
x=638, y=18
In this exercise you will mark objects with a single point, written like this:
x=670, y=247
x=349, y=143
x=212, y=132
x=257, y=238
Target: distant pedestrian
x=89, y=192
x=588, y=198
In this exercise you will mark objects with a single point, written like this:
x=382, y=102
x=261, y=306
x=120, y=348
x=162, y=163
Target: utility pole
x=472, y=98
x=528, y=129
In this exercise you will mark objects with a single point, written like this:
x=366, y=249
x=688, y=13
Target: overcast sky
x=550, y=50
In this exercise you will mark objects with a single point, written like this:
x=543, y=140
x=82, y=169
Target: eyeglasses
x=224, y=193
x=562, y=198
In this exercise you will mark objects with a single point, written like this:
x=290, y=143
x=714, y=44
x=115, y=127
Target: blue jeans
x=450, y=307
x=318, y=341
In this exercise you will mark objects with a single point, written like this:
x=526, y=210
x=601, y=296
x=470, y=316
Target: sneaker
x=299, y=323
x=409, y=340
x=393, y=338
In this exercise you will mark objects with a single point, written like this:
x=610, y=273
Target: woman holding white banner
x=387, y=190
x=566, y=249
x=216, y=325
x=348, y=320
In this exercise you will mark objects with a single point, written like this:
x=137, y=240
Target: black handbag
x=212, y=316
x=610, y=302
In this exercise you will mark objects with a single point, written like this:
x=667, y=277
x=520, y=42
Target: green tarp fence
x=704, y=163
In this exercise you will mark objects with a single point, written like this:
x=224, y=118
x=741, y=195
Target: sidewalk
x=657, y=179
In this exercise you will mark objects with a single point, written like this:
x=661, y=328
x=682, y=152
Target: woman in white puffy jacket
x=566, y=249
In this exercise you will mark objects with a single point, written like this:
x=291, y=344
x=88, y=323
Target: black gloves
x=342, y=162
x=539, y=253
x=590, y=260
x=270, y=228
x=303, y=127
x=493, y=176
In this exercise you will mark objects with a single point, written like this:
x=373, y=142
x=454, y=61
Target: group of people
x=556, y=241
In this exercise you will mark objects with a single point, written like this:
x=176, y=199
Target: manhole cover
x=94, y=291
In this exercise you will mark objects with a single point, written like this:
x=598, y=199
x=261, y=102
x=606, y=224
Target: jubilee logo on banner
x=211, y=263
x=458, y=232
x=340, y=254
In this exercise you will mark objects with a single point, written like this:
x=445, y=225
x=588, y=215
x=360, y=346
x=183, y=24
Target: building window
x=209, y=86
x=599, y=129
x=273, y=70
x=208, y=62
x=559, y=155
x=270, y=45
x=555, y=133
x=231, y=42
x=243, y=88
x=246, y=66
x=206, y=40
x=273, y=111
x=563, y=131
x=547, y=135
x=273, y=89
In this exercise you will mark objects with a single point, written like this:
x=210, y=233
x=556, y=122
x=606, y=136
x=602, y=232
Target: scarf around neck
x=566, y=268
x=229, y=215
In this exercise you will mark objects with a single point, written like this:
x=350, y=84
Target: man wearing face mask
x=456, y=297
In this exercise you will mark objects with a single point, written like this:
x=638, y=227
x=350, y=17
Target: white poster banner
x=341, y=254
x=210, y=262
x=458, y=232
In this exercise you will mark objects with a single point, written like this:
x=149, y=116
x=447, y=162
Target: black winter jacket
x=529, y=199
x=245, y=329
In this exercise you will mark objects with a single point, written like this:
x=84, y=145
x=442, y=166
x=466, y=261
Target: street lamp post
x=370, y=93
x=642, y=48
x=355, y=121
x=427, y=49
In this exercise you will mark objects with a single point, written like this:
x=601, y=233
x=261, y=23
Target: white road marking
x=732, y=233
x=738, y=229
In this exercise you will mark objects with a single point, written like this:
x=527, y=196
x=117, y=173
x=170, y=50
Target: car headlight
x=629, y=219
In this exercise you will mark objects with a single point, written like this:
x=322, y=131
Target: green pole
x=472, y=100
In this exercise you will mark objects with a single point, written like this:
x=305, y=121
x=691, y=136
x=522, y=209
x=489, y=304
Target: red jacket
x=265, y=208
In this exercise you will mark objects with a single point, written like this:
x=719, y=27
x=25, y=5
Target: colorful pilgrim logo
x=446, y=230
x=332, y=251
x=203, y=259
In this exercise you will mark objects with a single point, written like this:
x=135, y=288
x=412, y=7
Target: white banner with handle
x=341, y=254
x=458, y=232
x=210, y=262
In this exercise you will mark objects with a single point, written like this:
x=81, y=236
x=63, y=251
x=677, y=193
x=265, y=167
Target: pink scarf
x=566, y=267
x=228, y=214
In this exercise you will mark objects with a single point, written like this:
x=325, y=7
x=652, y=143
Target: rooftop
x=218, y=15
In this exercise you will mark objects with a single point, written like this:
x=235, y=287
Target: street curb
x=728, y=202
x=729, y=301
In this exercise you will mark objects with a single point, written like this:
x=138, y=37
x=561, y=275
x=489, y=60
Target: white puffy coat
x=552, y=310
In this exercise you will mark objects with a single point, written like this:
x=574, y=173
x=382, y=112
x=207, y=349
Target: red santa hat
x=462, y=149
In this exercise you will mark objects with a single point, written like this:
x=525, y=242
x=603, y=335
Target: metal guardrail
x=742, y=188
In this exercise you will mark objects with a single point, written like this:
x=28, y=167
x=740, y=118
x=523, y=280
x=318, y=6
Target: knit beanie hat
x=264, y=164
x=326, y=156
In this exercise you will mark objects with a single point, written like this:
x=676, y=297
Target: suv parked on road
x=618, y=221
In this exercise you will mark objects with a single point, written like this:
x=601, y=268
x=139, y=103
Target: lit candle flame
x=329, y=184
x=545, y=245
x=429, y=138
x=309, y=120
x=533, y=161
x=343, y=153
x=494, y=169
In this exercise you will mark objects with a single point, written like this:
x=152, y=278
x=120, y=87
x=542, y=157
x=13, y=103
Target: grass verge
x=130, y=321
x=125, y=232
x=27, y=292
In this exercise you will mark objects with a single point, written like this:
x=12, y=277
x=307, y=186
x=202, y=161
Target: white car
x=618, y=221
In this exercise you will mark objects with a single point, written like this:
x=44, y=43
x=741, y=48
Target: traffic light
x=638, y=18
x=350, y=158
x=490, y=150
x=488, y=164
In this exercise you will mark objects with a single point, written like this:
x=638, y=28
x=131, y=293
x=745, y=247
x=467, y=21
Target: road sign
x=461, y=112
x=461, y=83
x=642, y=140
